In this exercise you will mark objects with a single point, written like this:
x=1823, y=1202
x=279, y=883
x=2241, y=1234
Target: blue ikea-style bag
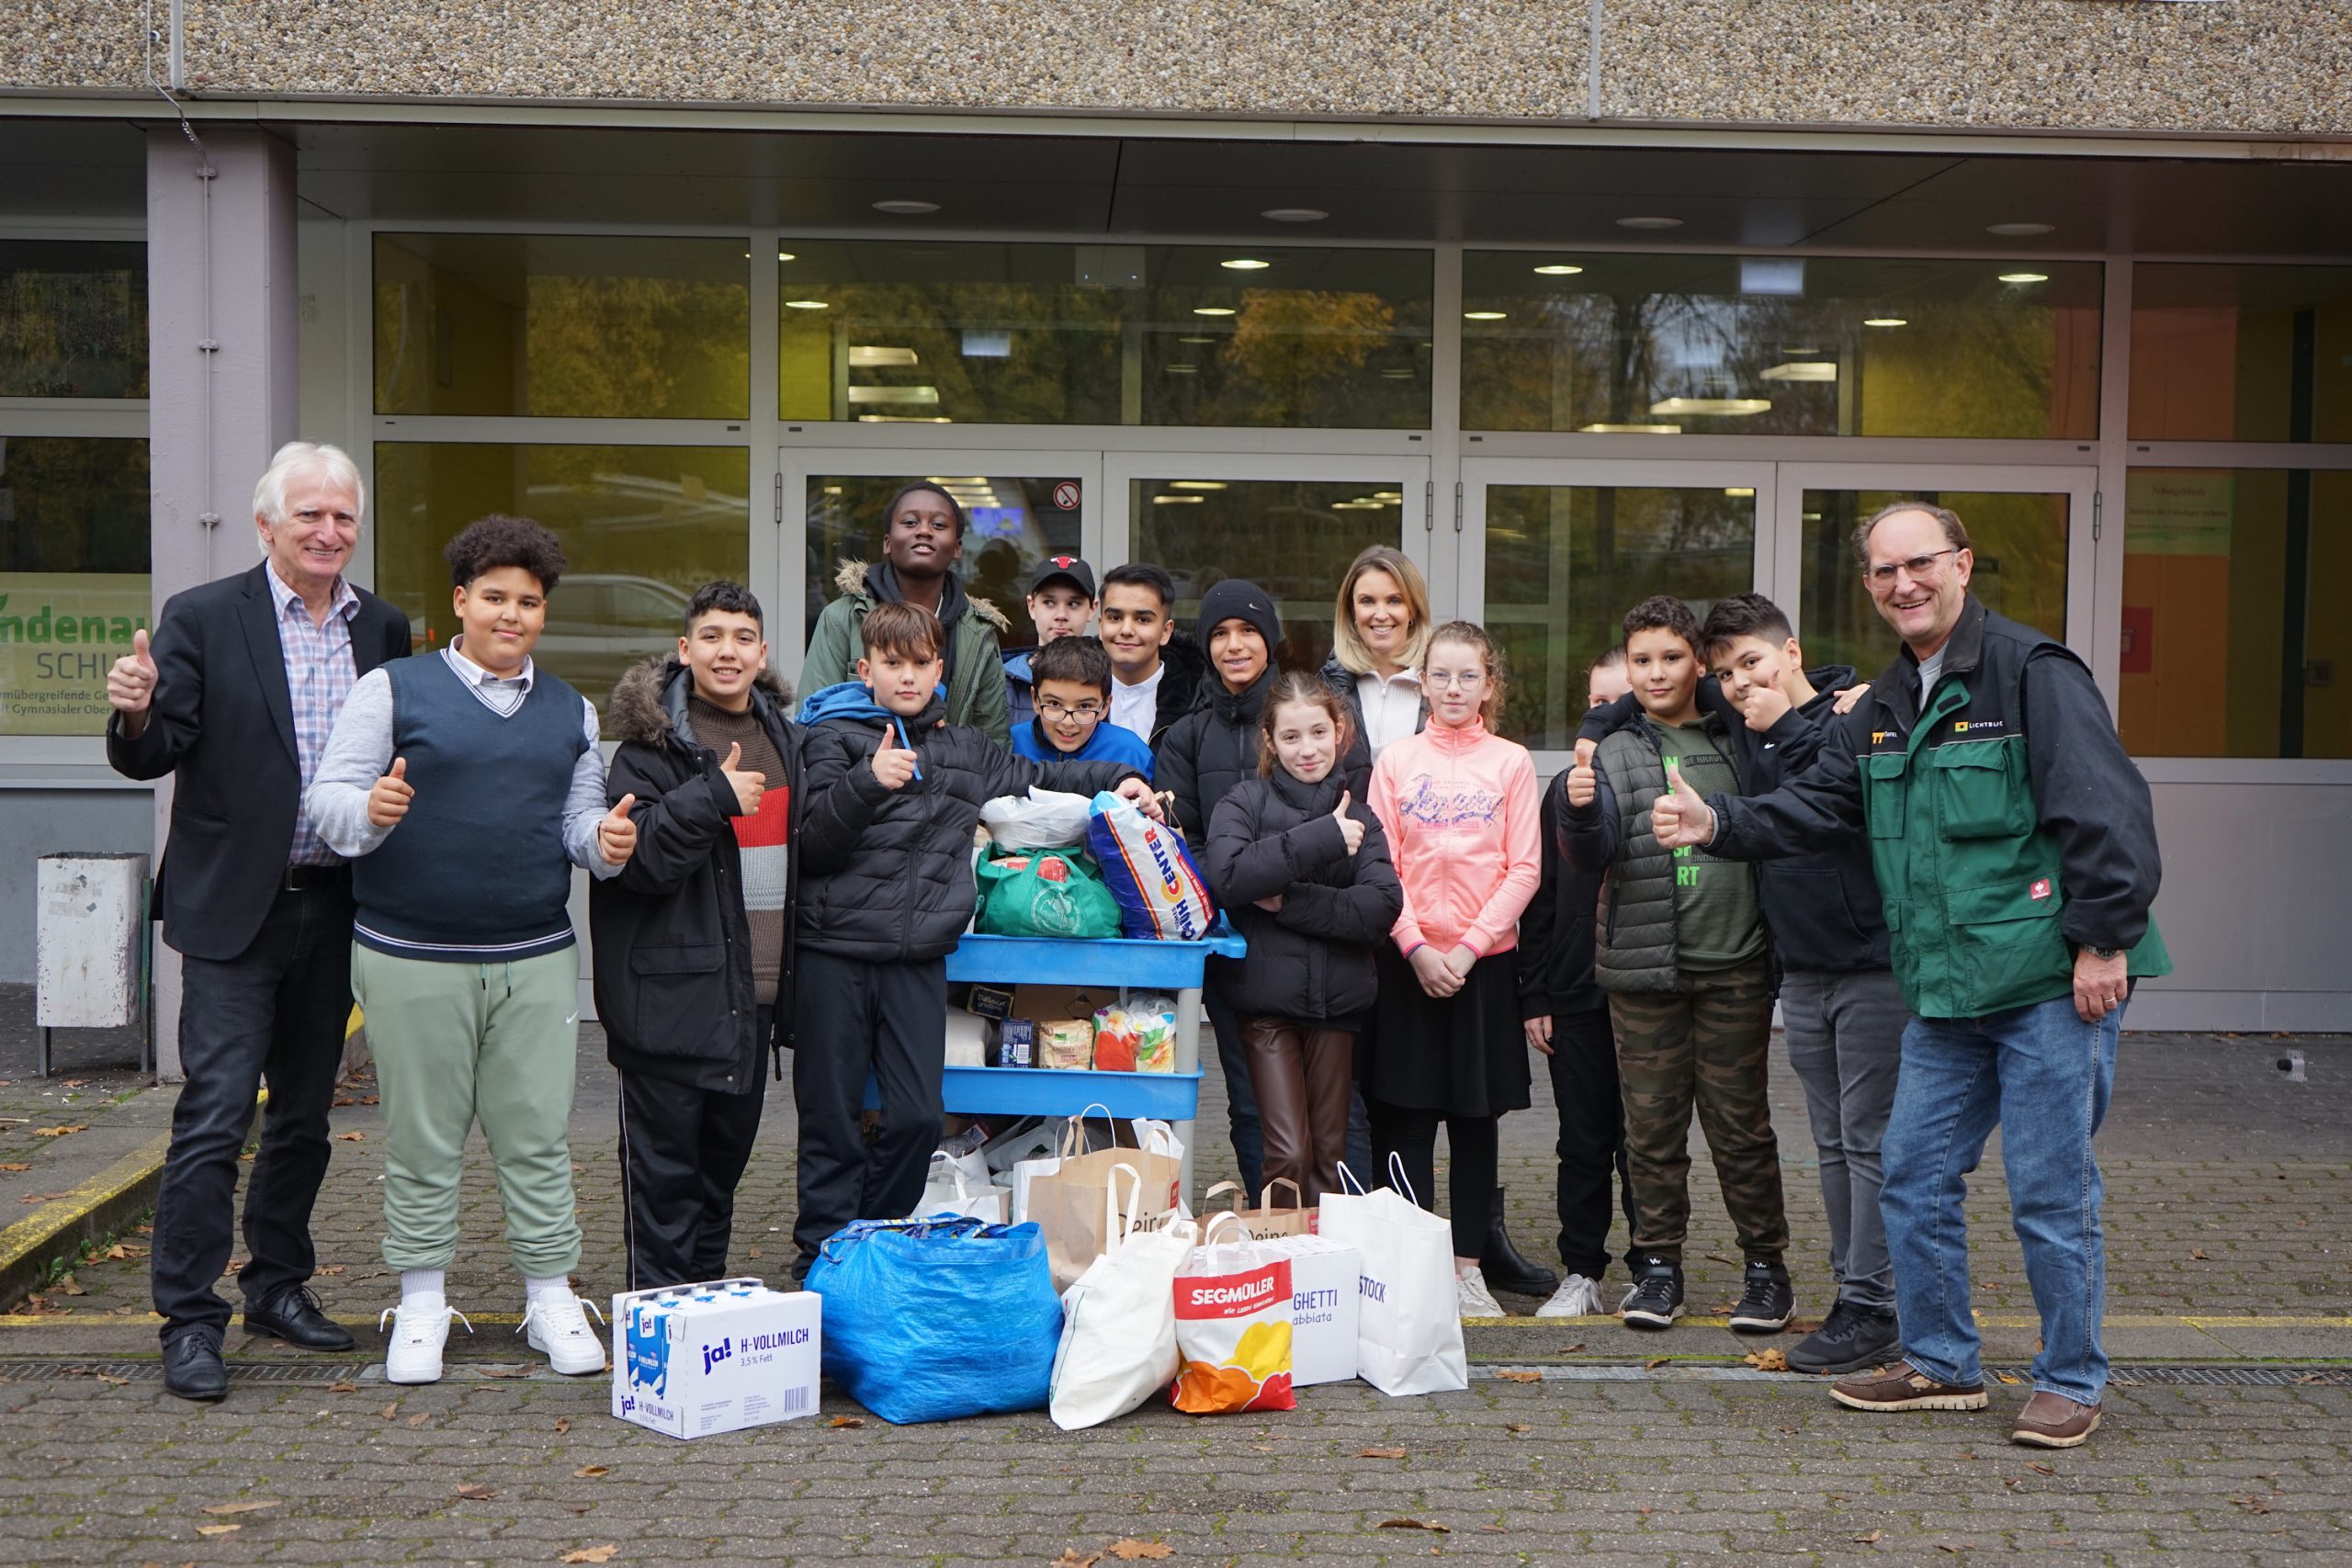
x=929, y=1320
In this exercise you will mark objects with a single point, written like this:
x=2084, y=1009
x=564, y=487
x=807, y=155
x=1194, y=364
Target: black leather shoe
x=295, y=1315
x=192, y=1366
x=1506, y=1269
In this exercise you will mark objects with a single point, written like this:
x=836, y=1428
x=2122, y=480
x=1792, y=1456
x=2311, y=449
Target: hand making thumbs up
x=616, y=832
x=893, y=764
x=131, y=683
x=1680, y=817
x=1584, y=784
x=747, y=786
x=1351, y=830
x=388, y=802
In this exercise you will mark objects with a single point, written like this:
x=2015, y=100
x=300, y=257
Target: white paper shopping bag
x=1408, y=1320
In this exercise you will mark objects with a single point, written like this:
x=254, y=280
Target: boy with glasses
x=1072, y=682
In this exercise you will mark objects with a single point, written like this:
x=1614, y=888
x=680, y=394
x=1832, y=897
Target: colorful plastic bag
x=930, y=1321
x=1161, y=894
x=1044, y=894
x=1233, y=1327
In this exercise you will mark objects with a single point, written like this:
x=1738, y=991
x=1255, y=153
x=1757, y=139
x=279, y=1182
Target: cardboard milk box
x=693, y=1359
x=1322, y=1307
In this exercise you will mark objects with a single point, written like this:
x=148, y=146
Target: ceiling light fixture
x=806, y=305
x=1558, y=269
x=1245, y=264
x=1295, y=214
x=1629, y=429
x=870, y=356
x=1211, y=311
x=1728, y=408
x=904, y=419
x=1196, y=340
x=1802, y=370
x=1485, y=315
x=1197, y=484
x=2019, y=230
x=786, y=255
x=1739, y=490
x=1178, y=499
x=1183, y=369
x=894, y=395
x=1650, y=223
x=2025, y=277
x=1886, y=321
x=907, y=208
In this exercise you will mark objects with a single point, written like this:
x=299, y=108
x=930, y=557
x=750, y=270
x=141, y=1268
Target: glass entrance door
x=1289, y=524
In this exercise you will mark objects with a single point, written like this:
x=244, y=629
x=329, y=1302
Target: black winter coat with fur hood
x=672, y=945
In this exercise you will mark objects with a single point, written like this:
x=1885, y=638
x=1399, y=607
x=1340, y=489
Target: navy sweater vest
x=476, y=873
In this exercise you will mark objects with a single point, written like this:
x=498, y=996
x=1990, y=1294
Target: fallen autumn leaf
x=1128, y=1550
x=1415, y=1525
x=1380, y=1453
x=590, y=1472
x=253, y=1506
x=604, y=1553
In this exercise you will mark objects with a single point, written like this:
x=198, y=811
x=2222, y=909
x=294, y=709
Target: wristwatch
x=2105, y=954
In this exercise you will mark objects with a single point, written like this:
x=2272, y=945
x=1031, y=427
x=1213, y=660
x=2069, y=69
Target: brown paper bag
x=1266, y=1220
x=1068, y=1204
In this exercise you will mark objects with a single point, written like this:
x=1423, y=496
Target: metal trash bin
x=91, y=948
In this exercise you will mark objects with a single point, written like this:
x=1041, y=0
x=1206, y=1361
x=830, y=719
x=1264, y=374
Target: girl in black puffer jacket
x=1302, y=870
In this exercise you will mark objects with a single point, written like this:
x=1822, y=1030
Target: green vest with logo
x=1973, y=880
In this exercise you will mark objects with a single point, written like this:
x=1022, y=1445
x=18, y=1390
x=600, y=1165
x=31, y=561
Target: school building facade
x=1575, y=302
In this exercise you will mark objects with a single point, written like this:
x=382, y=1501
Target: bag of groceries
x=1233, y=1327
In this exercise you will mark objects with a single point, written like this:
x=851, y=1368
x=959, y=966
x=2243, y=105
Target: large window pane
x=562, y=325
x=1292, y=537
x=1017, y=522
x=72, y=319
x=2240, y=353
x=642, y=528
x=73, y=533
x=1565, y=562
x=2234, y=641
x=1757, y=345
x=1104, y=335
x=2019, y=545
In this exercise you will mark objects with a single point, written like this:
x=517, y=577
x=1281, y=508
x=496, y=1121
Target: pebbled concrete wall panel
x=76, y=44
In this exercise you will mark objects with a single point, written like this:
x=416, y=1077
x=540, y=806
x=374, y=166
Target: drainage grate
x=2252, y=1376
x=2227, y=1377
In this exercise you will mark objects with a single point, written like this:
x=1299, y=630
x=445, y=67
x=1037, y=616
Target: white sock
x=551, y=1285
x=423, y=1286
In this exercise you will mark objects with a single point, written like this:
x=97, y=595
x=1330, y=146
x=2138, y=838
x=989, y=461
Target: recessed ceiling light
x=904, y=419
x=786, y=255
x=1245, y=264
x=2025, y=277
x=906, y=208
x=868, y=356
x=1650, y=223
x=1197, y=484
x=1196, y=340
x=1886, y=321
x=1177, y=499
x=1558, y=269
x=806, y=305
x=2019, y=230
x=1295, y=214
x=1391, y=496
x=1485, y=315
x=1739, y=489
x=1802, y=370
x=1183, y=369
x=1211, y=311
x=1721, y=407
x=1630, y=429
x=894, y=395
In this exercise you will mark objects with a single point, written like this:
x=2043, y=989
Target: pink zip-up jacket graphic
x=1459, y=807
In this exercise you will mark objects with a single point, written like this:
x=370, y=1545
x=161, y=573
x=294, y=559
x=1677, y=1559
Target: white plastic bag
x=1408, y=1317
x=1118, y=1345
x=1041, y=819
x=949, y=1189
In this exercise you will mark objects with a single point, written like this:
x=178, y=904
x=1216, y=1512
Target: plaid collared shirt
x=319, y=676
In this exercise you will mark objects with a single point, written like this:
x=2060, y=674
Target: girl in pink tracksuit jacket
x=1459, y=807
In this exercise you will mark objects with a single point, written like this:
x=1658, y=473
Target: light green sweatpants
x=455, y=1043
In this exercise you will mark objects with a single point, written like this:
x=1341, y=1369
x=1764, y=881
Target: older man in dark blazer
x=236, y=698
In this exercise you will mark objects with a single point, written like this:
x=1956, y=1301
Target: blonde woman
x=1380, y=629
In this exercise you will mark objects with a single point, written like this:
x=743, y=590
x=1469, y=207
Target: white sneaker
x=1576, y=1297
x=557, y=1325
x=419, y=1331
x=1475, y=1299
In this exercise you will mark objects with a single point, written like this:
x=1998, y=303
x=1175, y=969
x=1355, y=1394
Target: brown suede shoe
x=2054, y=1421
x=1903, y=1387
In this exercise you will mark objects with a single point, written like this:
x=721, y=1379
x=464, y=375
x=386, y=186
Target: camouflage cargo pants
x=1703, y=1043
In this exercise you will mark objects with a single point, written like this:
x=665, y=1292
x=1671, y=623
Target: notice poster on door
x=60, y=632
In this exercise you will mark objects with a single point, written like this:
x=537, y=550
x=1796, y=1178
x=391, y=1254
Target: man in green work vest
x=2014, y=845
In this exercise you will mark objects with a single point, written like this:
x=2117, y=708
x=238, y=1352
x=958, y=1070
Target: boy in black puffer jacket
x=884, y=850
x=694, y=938
x=1303, y=871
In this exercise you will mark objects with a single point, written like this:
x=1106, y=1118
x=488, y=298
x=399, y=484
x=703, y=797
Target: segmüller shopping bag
x=1118, y=1345
x=931, y=1320
x=1408, y=1317
x=1233, y=1327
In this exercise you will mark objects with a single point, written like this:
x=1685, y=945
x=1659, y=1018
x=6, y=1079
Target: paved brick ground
x=2209, y=1150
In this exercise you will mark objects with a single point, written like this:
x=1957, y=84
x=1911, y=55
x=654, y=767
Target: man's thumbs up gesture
x=616, y=832
x=747, y=786
x=1351, y=830
x=388, y=802
x=893, y=764
x=1583, y=783
x=1680, y=817
x=131, y=685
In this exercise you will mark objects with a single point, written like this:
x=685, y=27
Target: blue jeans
x=2043, y=1077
